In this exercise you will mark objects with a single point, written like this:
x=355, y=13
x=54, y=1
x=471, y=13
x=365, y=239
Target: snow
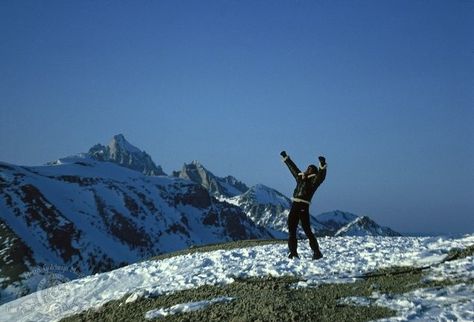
x=266, y=207
x=261, y=194
x=228, y=188
x=452, y=303
x=266, y=195
x=357, y=228
x=185, y=307
x=77, y=204
x=345, y=258
x=337, y=216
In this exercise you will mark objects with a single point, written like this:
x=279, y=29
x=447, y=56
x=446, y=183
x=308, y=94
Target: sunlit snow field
x=345, y=260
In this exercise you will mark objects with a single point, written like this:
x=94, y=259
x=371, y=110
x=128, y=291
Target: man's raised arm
x=290, y=164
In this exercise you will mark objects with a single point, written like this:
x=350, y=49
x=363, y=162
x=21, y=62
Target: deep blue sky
x=384, y=89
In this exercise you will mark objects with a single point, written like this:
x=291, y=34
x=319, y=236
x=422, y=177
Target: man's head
x=312, y=169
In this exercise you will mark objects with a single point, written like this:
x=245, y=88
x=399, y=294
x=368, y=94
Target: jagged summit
x=119, y=143
x=121, y=152
x=218, y=187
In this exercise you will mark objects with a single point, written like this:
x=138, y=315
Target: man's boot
x=317, y=255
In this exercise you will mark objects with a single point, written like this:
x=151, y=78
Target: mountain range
x=113, y=205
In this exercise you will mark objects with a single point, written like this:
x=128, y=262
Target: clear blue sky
x=384, y=89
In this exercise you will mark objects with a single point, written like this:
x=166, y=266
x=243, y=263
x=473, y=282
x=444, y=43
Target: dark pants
x=300, y=211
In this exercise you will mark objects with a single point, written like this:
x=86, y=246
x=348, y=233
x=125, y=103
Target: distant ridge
x=269, y=209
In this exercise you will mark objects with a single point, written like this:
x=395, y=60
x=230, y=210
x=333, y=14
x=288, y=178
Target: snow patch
x=185, y=307
x=452, y=303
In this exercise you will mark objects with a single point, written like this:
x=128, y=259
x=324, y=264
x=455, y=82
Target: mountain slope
x=266, y=207
x=269, y=208
x=94, y=216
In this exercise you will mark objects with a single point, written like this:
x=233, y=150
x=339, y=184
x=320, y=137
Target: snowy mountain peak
x=335, y=220
x=266, y=207
x=266, y=195
x=121, y=152
x=364, y=226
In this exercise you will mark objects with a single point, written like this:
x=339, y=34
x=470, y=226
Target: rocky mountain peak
x=218, y=187
x=123, y=153
x=119, y=144
x=197, y=164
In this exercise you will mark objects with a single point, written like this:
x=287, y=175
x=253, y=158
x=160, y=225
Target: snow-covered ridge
x=154, y=278
x=336, y=218
x=269, y=208
x=266, y=207
x=363, y=226
x=266, y=195
x=89, y=216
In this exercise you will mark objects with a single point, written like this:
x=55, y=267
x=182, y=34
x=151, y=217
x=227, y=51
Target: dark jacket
x=305, y=185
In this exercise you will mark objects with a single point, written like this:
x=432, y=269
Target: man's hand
x=283, y=154
x=322, y=160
